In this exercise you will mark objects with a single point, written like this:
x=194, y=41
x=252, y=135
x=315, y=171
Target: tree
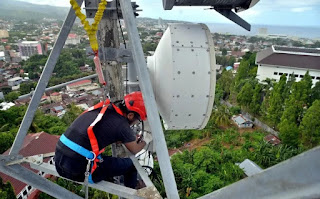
x=287, y=90
x=10, y=97
x=276, y=101
x=224, y=52
x=6, y=190
x=149, y=47
x=6, y=140
x=289, y=133
x=315, y=92
x=48, y=123
x=243, y=71
x=71, y=114
x=307, y=85
x=225, y=81
x=310, y=126
x=27, y=87
x=255, y=104
x=207, y=159
x=245, y=96
x=221, y=116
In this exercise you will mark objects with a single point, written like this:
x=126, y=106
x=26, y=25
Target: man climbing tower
x=77, y=155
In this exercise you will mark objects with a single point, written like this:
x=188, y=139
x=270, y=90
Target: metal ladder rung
x=102, y=186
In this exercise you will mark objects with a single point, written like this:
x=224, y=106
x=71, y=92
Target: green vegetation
x=13, y=95
x=213, y=165
x=293, y=107
x=282, y=105
x=12, y=118
x=6, y=190
x=68, y=64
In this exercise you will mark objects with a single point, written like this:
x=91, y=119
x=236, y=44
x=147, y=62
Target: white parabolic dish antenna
x=183, y=75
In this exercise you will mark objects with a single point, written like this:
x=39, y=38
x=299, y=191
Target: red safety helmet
x=134, y=102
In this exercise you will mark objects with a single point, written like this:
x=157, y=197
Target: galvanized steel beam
x=27, y=176
x=149, y=100
x=60, y=85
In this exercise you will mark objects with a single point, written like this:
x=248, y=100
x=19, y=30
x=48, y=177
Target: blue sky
x=269, y=12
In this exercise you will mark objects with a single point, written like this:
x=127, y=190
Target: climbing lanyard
x=91, y=32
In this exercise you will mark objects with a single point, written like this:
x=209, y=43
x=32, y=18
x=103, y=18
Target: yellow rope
x=90, y=29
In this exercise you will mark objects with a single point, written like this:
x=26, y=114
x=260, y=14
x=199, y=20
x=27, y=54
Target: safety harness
x=94, y=155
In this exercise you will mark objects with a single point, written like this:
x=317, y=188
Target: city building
x=73, y=39
x=278, y=60
x=14, y=81
x=2, y=56
x=83, y=85
x=56, y=97
x=4, y=34
x=34, y=144
x=1, y=94
x=6, y=105
x=236, y=65
x=29, y=48
x=242, y=121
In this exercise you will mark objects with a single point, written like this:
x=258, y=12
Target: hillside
x=12, y=9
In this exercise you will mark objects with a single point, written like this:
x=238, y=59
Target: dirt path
x=193, y=144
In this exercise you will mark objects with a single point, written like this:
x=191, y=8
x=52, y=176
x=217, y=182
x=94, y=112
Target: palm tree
x=222, y=115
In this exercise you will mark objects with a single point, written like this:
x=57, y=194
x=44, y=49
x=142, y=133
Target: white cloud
x=60, y=3
x=301, y=9
x=285, y=5
x=250, y=13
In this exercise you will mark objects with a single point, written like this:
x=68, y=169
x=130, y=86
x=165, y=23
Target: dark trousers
x=74, y=169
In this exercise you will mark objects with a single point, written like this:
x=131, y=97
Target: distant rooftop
x=295, y=50
x=30, y=42
x=55, y=94
x=307, y=58
x=250, y=168
x=72, y=36
x=86, y=81
x=15, y=79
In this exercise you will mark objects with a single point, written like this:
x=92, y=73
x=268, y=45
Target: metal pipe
x=24, y=175
x=43, y=82
x=102, y=185
x=149, y=100
x=133, y=82
x=60, y=85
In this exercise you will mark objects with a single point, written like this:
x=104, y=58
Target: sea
x=290, y=31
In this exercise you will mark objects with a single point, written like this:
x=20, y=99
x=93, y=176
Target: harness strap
x=82, y=151
x=92, y=156
x=77, y=148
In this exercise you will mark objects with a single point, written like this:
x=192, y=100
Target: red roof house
x=36, y=143
x=78, y=84
x=272, y=139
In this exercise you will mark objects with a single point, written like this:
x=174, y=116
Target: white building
x=29, y=48
x=242, y=121
x=14, y=81
x=6, y=105
x=278, y=60
x=2, y=56
x=73, y=39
